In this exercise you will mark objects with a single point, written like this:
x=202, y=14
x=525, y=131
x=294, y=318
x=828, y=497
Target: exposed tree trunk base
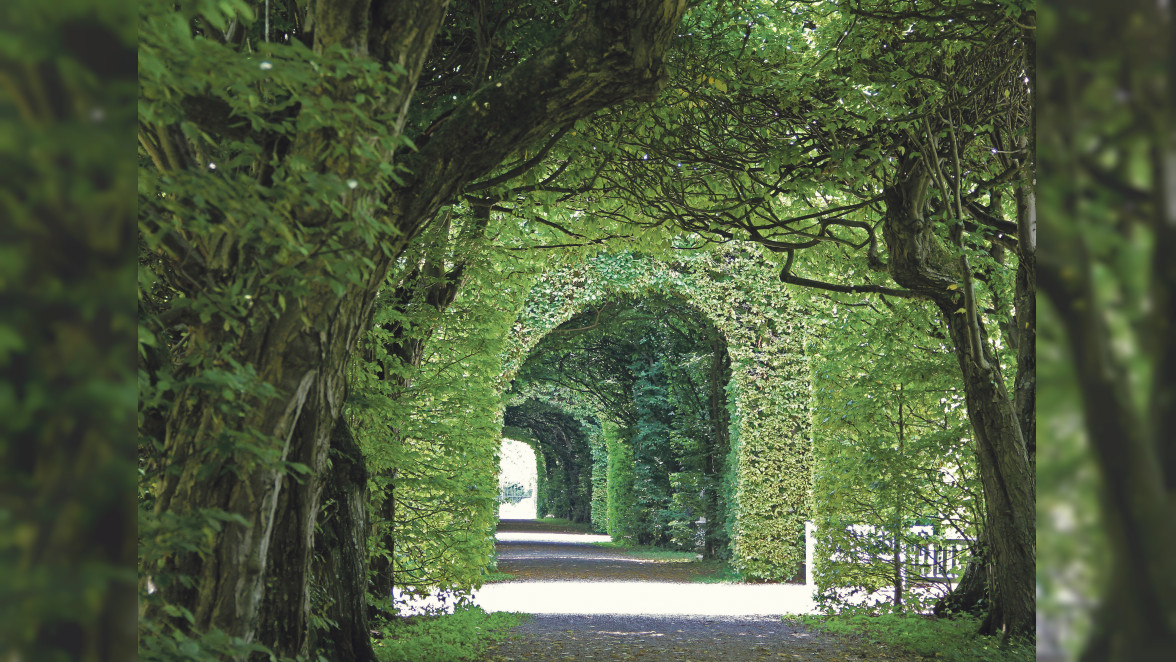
x=970, y=596
x=340, y=562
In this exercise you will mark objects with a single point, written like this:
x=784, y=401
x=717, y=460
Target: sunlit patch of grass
x=648, y=552
x=950, y=640
x=722, y=573
x=566, y=524
x=462, y=635
x=496, y=576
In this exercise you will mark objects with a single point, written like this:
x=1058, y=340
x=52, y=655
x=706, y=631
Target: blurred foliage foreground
x=67, y=326
x=1107, y=474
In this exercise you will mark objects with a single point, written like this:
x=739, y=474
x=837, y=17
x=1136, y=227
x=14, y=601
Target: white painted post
x=810, y=551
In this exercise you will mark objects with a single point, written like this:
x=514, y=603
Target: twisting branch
x=787, y=277
x=957, y=232
x=595, y=323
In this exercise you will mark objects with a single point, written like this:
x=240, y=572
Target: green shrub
x=462, y=635
x=622, y=502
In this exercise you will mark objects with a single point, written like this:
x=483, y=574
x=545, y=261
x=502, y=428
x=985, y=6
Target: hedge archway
x=769, y=463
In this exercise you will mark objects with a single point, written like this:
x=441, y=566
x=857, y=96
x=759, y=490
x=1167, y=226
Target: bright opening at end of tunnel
x=517, y=481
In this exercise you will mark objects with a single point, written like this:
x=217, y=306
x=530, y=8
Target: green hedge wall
x=737, y=287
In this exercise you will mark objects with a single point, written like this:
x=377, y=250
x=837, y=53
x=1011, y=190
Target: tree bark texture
x=610, y=51
x=340, y=562
x=306, y=366
x=919, y=262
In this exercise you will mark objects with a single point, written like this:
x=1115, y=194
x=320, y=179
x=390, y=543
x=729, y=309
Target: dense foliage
x=895, y=467
x=334, y=306
x=425, y=410
x=1104, y=140
x=762, y=474
x=645, y=367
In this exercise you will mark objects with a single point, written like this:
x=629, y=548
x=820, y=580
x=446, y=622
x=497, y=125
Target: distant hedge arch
x=770, y=392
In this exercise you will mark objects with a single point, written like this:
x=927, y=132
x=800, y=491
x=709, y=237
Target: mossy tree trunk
x=608, y=52
x=920, y=262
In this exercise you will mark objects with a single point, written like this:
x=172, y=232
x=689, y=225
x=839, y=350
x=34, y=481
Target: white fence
x=934, y=561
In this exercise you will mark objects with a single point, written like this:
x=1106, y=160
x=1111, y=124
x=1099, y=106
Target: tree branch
x=787, y=277
x=520, y=168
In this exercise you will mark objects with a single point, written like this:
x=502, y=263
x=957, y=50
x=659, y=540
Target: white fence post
x=810, y=551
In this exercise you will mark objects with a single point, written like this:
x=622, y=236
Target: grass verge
x=569, y=525
x=647, y=552
x=496, y=576
x=722, y=573
x=462, y=635
x=949, y=640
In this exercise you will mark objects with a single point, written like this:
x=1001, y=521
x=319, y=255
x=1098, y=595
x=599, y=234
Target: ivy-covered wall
x=430, y=431
x=599, y=446
x=769, y=465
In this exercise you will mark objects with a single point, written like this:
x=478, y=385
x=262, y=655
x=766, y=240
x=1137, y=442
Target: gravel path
x=593, y=603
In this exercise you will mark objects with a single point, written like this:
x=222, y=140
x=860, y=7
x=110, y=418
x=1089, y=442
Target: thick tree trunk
x=286, y=607
x=340, y=563
x=305, y=365
x=1007, y=477
x=920, y=263
x=970, y=596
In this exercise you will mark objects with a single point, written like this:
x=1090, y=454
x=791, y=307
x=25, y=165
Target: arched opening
x=628, y=404
x=767, y=471
x=517, y=480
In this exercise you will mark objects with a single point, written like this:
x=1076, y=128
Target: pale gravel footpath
x=604, y=590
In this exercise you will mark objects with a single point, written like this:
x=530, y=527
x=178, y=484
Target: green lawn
x=648, y=552
x=950, y=640
x=462, y=635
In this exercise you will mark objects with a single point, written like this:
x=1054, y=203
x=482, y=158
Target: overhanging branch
x=787, y=277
